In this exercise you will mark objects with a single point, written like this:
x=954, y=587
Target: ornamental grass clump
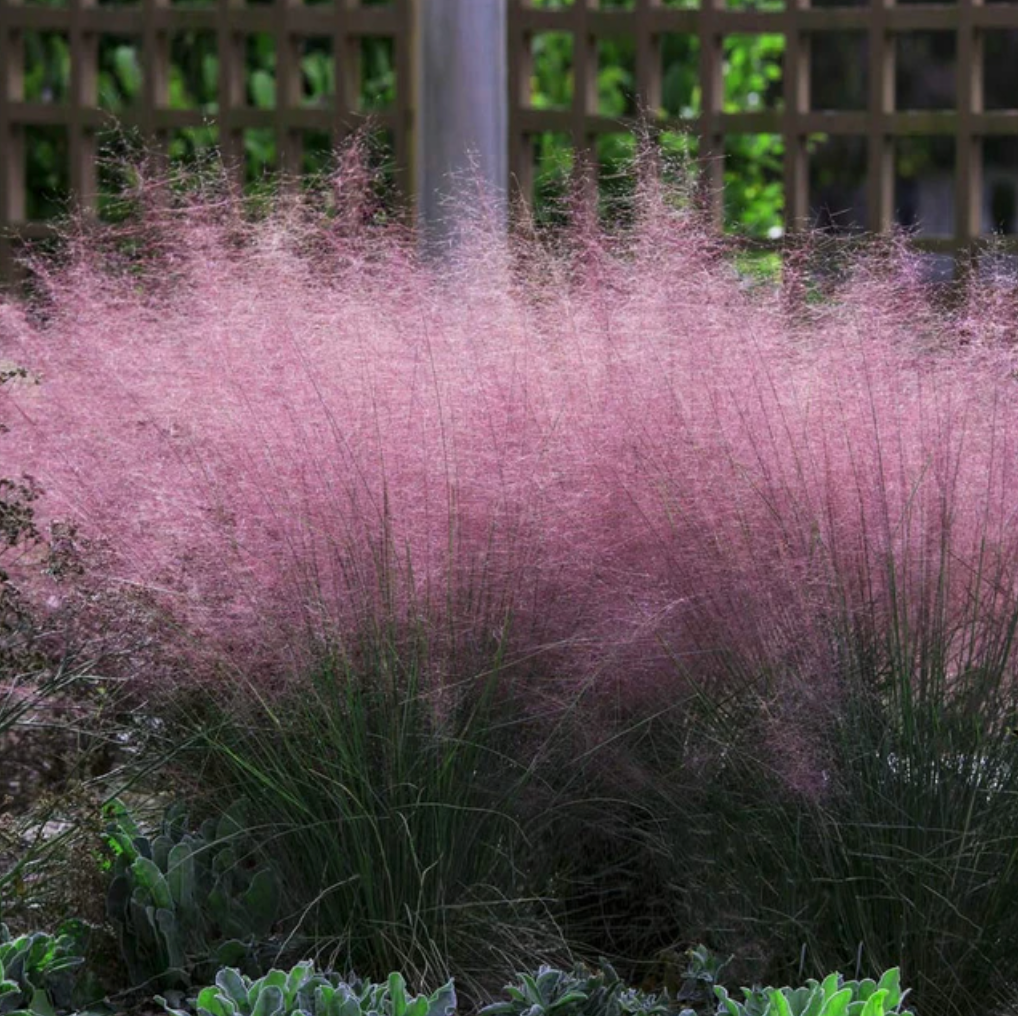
x=748, y=514
x=287, y=427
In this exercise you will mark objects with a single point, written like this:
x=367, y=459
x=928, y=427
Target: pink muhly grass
x=286, y=429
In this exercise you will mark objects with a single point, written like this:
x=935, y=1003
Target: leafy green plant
x=579, y=992
x=37, y=973
x=700, y=977
x=302, y=991
x=831, y=997
x=184, y=900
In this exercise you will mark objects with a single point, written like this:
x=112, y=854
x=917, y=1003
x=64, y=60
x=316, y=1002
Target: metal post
x=463, y=114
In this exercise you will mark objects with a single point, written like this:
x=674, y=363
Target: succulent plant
x=699, y=978
x=831, y=997
x=186, y=903
x=37, y=973
x=580, y=992
x=304, y=992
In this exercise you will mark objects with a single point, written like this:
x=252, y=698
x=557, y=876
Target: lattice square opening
x=837, y=183
x=553, y=163
x=679, y=167
x=261, y=158
x=118, y=176
x=1000, y=69
x=193, y=80
x=551, y=83
x=680, y=74
x=755, y=5
x=839, y=70
x=678, y=146
x=47, y=172
x=630, y=5
x=382, y=195
x=120, y=75
x=753, y=72
x=315, y=153
x=317, y=71
x=616, y=76
x=260, y=70
x=1000, y=186
x=194, y=147
x=754, y=199
x=925, y=71
x=377, y=73
x=47, y=67
x=924, y=168
x=616, y=181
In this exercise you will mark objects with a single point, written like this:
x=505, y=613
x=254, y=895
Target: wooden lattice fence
x=229, y=24
x=880, y=123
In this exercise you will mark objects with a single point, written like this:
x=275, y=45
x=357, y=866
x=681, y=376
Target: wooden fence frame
x=880, y=123
x=346, y=22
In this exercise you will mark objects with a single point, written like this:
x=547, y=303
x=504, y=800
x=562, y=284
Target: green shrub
x=831, y=997
x=182, y=901
x=579, y=992
x=37, y=972
x=700, y=977
x=303, y=992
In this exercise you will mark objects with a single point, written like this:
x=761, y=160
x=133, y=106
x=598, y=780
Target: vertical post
x=520, y=61
x=712, y=91
x=968, y=205
x=84, y=97
x=289, y=143
x=882, y=103
x=796, y=93
x=404, y=127
x=10, y=86
x=584, y=100
x=13, y=193
x=463, y=123
x=346, y=48
x=230, y=45
x=648, y=60
x=155, y=78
